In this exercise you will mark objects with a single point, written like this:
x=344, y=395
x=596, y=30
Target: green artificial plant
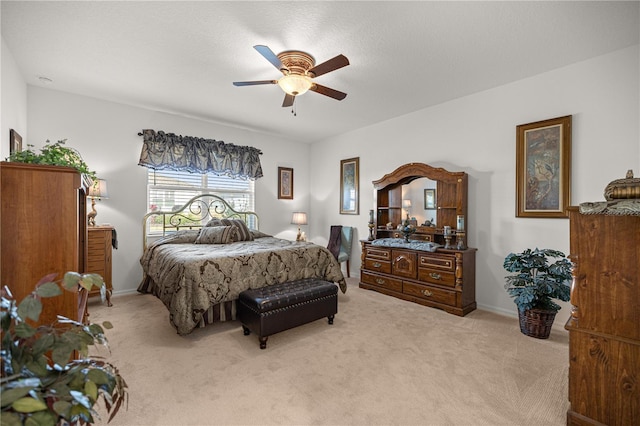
x=54, y=154
x=47, y=375
x=540, y=275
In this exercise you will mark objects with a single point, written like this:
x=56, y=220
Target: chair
x=345, y=246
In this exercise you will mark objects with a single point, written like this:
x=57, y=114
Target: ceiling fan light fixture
x=295, y=84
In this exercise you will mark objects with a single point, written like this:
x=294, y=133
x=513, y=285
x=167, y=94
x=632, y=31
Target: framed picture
x=15, y=142
x=429, y=198
x=349, y=185
x=285, y=183
x=543, y=168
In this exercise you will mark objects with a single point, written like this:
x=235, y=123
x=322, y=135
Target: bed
x=200, y=256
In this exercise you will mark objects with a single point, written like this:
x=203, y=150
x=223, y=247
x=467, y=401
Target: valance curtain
x=162, y=150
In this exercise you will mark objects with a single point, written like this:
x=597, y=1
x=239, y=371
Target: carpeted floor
x=384, y=361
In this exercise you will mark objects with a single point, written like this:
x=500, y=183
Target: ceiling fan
x=298, y=69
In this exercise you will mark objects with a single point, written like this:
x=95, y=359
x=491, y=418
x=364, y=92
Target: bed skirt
x=220, y=312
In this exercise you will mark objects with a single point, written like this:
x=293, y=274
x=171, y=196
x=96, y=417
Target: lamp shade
x=406, y=204
x=299, y=218
x=295, y=84
x=98, y=190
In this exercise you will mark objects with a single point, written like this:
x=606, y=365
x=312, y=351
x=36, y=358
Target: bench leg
x=330, y=318
x=263, y=342
x=246, y=330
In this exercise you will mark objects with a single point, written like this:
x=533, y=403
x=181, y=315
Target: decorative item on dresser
x=421, y=270
x=99, y=248
x=604, y=327
x=36, y=242
x=98, y=191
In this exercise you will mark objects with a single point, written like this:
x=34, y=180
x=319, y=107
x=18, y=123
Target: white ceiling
x=182, y=57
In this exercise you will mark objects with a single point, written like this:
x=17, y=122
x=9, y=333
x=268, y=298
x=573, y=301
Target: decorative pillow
x=217, y=235
x=215, y=222
x=257, y=234
x=244, y=234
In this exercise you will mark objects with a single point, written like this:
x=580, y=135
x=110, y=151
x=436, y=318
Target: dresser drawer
x=437, y=261
x=94, y=243
x=404, y=263
x=422, y=237
x=439, y=277
x=432, y=294
x=382, y=281
x=378, y=253
x=377, y=265
x=96, y=265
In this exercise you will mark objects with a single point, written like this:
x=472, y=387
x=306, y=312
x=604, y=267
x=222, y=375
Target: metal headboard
x=194, y=215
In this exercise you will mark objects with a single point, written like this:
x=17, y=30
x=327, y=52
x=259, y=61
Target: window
x=169, y=189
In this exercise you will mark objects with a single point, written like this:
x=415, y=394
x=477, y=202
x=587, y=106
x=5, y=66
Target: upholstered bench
x=272, y=309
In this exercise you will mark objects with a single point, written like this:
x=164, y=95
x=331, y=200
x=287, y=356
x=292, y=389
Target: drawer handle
x=380, y=281
x=435, y=276
x=377, y=264
x=427, y=293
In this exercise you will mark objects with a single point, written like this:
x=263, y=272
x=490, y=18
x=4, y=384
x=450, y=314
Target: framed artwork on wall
x=430, y=199
x=15, y=142
x=349, y=186
x=285, y=183
x=543, y=168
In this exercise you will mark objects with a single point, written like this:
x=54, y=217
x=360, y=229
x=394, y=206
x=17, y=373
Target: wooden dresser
x=99, y=244
x=444, y=279
x=604, y=327
x=43, y=230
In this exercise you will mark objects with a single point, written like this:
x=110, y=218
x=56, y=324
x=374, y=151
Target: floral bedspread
x=189, y=278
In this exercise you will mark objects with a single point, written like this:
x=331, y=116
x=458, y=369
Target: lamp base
x=91, y=216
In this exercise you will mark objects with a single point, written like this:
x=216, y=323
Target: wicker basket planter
x=536, y=322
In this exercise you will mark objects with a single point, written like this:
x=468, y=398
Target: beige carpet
x=384, y=361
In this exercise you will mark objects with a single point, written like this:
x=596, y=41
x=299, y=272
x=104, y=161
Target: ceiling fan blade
x=288, y=100
x=330, y=65
x=269, y=56
x=254, y=83
x=332, y=93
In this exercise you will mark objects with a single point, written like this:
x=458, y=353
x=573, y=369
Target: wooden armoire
x=604, y=327
x=43, y=231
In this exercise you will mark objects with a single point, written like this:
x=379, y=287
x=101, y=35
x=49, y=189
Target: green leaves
x=28, y=405
x=42, y=383
x=72, y=280
x=536, y=281
x=55, y=154
x=30, y=308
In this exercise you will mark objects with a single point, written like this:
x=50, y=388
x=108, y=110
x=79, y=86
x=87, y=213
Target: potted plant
x=47, y=375
x=540, y=276
x=54, y=154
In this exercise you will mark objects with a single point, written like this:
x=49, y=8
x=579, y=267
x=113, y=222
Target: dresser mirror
x=442, y=191
x=422, y=205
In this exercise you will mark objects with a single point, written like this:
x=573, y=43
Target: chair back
x=346, y=241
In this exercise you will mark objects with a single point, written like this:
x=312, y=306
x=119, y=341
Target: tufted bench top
x=277, y=296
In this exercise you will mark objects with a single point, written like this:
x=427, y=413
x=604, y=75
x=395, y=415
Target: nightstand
x=99, y=256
